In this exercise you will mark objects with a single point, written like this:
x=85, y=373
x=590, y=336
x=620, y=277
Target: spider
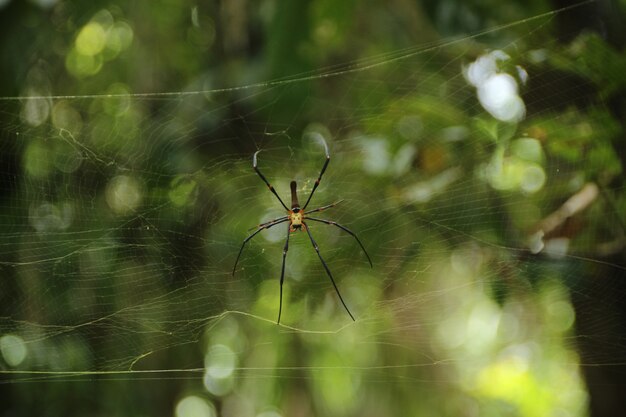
x=296, y=217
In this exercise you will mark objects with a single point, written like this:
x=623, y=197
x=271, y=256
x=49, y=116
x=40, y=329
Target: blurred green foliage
x=127, y=132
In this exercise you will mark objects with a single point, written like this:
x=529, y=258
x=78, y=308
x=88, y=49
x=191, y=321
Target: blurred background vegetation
x=478, y=148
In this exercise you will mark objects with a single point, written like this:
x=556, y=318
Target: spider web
x=495, y=243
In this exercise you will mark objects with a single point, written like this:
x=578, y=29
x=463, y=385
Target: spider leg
x=327, y=270
x=319, y=178
x=323, y=208
x=346, y=230
x=282, y=273
x=263, y=227
x=268, y=222
x=254, y=165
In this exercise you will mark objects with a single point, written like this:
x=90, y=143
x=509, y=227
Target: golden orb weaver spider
x=296, y=217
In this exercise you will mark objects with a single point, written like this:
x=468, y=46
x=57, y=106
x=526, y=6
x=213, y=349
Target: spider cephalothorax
x=296, y=217
x=296, y=220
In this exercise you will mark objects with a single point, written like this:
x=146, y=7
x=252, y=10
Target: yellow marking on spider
x=295, y=219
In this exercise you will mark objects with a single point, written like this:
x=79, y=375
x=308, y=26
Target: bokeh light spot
x=497, y=91
x=218, y=386
x=81, y=65
x=119, y=37
x=482, y=325
x=377, y=156
x=562, y=315
x=183, y=191
x=194, y=406
x=64, y=116
x=91, y=39
x=528, y=149
x=498, y=95
x=123, y=194
x=119, y=103
x=533, y=178
x=35, y=111
x=49, y=217
x=36, y=160
x=220, y=361
x=13, y=349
